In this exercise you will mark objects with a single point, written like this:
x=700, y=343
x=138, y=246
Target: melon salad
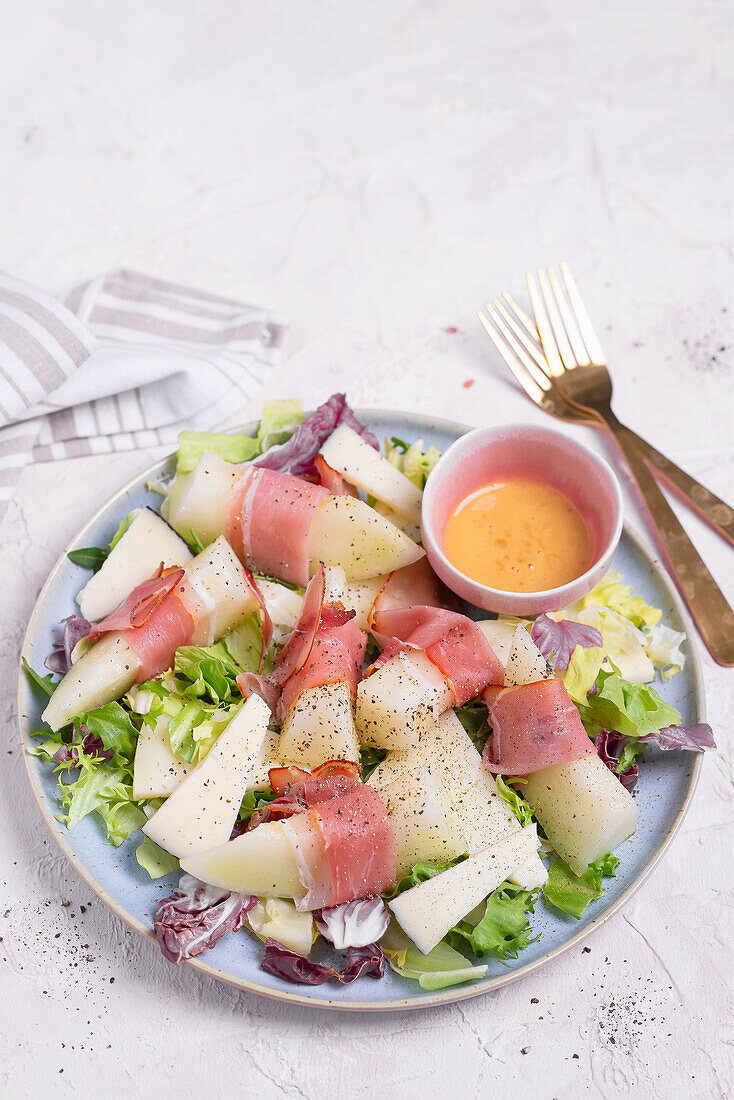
x=267, y=691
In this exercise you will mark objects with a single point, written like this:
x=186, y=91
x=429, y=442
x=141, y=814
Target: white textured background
x=376, y=170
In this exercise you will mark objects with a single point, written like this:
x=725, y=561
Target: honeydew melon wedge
x=216, y=579
x=471, y=791
x=423, y=823
x=427, y=911
x=201, y=812
x=147, y=543
x=200, y=501
x=525, y=663
x=345, y=531
x=105, y=672
x=363, y=466
x=584, y=809
x=407, y=526
x=400, y=703
x=357, y=596
x=267, y=758
x=499, y=633
x=320, y=727
x=260, y=862
x=157, y=770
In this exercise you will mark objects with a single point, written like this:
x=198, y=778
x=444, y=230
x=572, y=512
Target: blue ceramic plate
x=666, y=784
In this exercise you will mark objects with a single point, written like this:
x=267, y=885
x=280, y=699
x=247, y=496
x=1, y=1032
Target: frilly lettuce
x=522, y=810
x=411, y=459
x=622, y=642
x=611, y=593
x=499, y=925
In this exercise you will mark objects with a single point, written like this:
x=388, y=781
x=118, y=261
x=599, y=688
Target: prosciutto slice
x=534, y=726
x=410, y=586
x=269, y=521
x=299, y=790
x=325, y=647
x=344, y=848
x=452, y=642
x=154, y=622
x=332, y=480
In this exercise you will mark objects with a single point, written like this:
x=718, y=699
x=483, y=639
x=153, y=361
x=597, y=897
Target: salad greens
x=499, y=925
x=411, y=459
x=279, y=419
x=440, y=968
x=522, y=810
x=572, y=893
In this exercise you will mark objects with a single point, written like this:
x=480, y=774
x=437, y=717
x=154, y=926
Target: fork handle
x=712, y=509
x=705, y=600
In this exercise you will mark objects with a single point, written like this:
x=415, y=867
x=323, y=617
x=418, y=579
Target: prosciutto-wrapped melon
x=284, y=526
x=328, y=850
x=314, y=681
x=433, y=659
x=363, y=466
x=194, y=605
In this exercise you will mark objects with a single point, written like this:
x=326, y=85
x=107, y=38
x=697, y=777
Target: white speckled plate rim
x=430, y=1000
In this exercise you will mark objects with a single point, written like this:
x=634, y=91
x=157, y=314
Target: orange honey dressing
x=517, y=535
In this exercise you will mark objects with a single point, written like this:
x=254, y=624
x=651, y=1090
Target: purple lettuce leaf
x=695, y=738
x=610, y=746
x=354, y=923
x=195, y=916
x=296, y=456
x=59, y=659
x=90, y=745
x=557, y=641
x=367, y=961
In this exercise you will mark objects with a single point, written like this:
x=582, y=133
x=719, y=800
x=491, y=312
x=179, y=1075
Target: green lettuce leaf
x=279, y=420
x=155, y=860
x=411, y=459
x=633, y=709
x=420, y=873
x=500, y=925
x=572, y=893
x=609, y=592
x=112, y=723
x=89, y=557
x=582, y=671
x=211, y=672
x=43, y=684
x=231, y=447
x=244, y=643
x=522, y=810
x=369, y=759
x=473, y=717
x=439, y=969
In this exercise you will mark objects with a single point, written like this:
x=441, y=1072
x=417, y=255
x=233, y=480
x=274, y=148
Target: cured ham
x=139, y=639
x=298, y=790
x=269, y=522
x=339, y=847
x=344, y=849
x=533, y=727
x=284, y=526
x=413, y=585
x=326, y=647
x=331, y=480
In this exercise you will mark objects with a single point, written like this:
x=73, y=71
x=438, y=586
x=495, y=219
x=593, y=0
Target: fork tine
x=553, y=359
x=536, y=369
x=587, y=329
x=532, y=347
x=532, y=389
x=564, y=348
x=574, y=336
x=520, y=312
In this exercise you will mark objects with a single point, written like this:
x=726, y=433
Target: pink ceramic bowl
x=522, y=450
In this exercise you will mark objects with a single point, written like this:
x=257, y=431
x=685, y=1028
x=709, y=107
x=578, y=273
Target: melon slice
x=399, y=704
x=200, y=501
x=261, y=862
x=320, y=727
x=147, y=543
x=104, y=673
x=427, y=911
x=345, y=531
x=363, y=466
x=424, y=824
x=201, y=812
x=525, y=663
x=157, y=770
x=584, y=809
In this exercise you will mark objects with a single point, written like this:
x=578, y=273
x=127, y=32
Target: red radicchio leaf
x=297, y=455
x=353, y=923
x=75, y=628
x=195, y=916
x=360, y=962
x=91, y=745
x=557, y=641
x=695, y=738
x=610, y=747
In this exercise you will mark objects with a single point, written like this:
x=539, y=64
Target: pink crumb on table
x=469, y=383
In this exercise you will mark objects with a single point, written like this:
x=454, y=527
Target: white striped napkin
x=128, y=361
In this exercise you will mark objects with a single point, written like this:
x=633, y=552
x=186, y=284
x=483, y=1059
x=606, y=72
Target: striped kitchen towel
x=127, y=361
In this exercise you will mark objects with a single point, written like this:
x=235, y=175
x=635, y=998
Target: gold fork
x=576, y=364
x=518, y=342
